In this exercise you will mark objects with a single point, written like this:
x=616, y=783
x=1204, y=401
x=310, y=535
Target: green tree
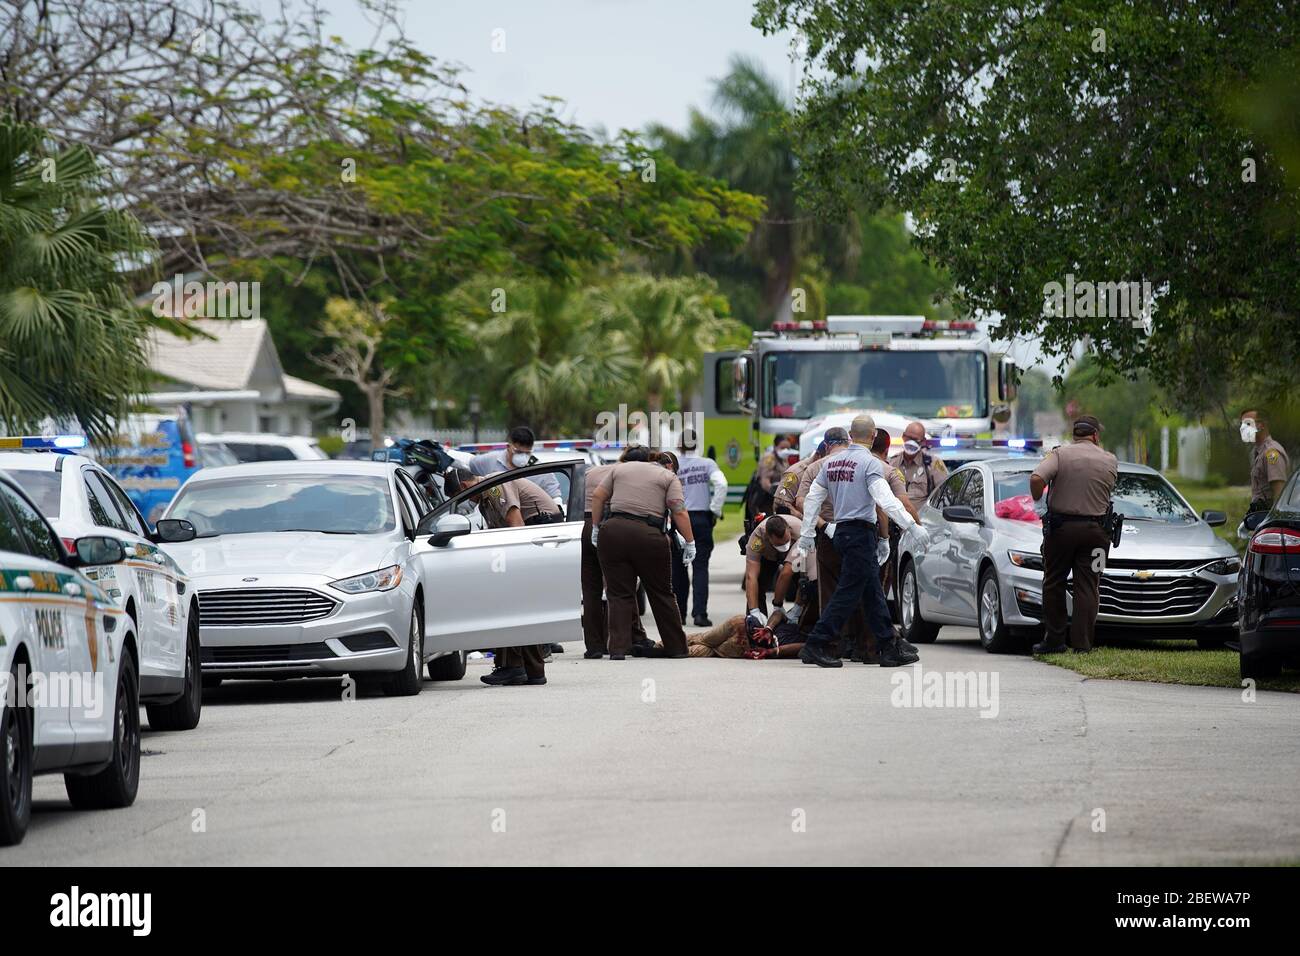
x=1095, y=139
x=666, y=325
x=72, y=344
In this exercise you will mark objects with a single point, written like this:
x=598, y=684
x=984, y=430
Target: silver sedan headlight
x=1225, y=566
x=1029, y=560
x=385, y=579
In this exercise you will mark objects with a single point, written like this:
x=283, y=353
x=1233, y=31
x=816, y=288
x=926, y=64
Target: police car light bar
x=562, y=444
x=1019, y=444
x=43, y=442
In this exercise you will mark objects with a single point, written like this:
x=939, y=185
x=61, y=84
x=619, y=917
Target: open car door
x=491, y=587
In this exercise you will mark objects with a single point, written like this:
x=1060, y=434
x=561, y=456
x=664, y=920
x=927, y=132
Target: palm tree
x=545, y=353
x=71, y=341
x=666, y=325
x=750, y=147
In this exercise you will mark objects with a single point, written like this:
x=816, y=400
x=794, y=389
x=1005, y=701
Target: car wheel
x=116, y=784
x=184, y=712
x=914, y=628
x=1258, y=666
x=16, y=750
x=995, y=636
x=449, y=666
x=410, y=679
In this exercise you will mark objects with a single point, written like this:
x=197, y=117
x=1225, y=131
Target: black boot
x=815, y=654
x=505, y=677
x=1043, y=647
x=892, y=655
x=702, y=620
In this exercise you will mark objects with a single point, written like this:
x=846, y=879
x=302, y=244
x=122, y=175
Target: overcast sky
x=619, y=64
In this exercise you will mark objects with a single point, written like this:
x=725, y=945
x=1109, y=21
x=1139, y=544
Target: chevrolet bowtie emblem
x=1144, y=575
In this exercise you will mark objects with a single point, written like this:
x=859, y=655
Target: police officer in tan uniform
x=922, y=471
x=595, y=611
x=1269, y=464
x=783, y=499
x=769, y=557
x=1079, y=479
x=632, y=544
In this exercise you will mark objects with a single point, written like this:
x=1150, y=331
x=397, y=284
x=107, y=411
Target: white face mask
x=783, y=548
x=519, y=459
x=1248, y=431
x=911, y=447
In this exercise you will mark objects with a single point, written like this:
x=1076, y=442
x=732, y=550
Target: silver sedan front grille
x=1155, y=597
x=237, y=607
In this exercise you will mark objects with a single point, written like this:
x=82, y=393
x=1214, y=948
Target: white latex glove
x=830, y=529
x=794, y=614
x=595, y=533
x=688, y=553
x=757, y=617
x=922, y=536
x=882, y=551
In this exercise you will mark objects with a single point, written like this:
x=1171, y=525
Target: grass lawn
x=1166, y=662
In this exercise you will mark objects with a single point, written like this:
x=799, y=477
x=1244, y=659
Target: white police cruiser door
x=503, y=587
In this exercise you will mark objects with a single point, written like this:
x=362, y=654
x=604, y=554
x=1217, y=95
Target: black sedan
x=1269, y=587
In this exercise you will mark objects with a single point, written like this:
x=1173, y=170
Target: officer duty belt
x=656, y=523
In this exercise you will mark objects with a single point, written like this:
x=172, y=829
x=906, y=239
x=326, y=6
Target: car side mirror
x=173, y=531
x=961, y=514
x=1254, y=520
x=1214, y=518
x=98, y=549
x=448, y=526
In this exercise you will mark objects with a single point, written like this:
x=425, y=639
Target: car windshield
x=914, y=384
x=1137, y=497
x=44, y=488
x=332, y=504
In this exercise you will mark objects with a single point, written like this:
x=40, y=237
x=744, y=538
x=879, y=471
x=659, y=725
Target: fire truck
x=943, y=373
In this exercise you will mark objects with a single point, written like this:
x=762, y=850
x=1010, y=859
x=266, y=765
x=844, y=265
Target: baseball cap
x=1086, y=425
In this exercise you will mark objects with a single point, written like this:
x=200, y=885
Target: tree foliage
x=1095, y=138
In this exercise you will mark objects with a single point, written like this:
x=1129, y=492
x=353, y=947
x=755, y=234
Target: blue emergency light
x=63, y=443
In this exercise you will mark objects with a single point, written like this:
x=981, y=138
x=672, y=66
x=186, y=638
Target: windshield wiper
x=315, y=531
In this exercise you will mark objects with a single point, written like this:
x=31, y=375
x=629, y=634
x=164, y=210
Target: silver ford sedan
x=320, y=568
x=1170, y=577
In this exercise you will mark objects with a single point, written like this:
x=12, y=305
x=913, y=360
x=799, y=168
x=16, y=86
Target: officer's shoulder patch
x=755, y=543
x=495, y=491
x=789, y=478
x=1272, y=456
x=898, y=472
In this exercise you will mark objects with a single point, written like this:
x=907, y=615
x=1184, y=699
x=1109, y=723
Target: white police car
x=78, y=497
x=69, y=665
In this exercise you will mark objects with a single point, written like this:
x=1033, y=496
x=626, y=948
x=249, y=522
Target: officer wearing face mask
x=1269, y=464
x=922, y=472
x=518, y=453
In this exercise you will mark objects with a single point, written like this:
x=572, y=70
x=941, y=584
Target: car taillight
x=1275, y=541
x=187, y=450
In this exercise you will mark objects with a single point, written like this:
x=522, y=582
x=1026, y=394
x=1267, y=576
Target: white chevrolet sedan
x=321, y=568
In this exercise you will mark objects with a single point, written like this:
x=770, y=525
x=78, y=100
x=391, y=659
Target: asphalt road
x=708, y=761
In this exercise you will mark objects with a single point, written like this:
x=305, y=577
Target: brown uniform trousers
x=629, y=550
x=855, y=637
x=1073, y=546
x=595, y=613
x=531, y=657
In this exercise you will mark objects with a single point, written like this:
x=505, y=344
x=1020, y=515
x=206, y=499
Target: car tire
x=911, y=625
x=1259, y=667
x=184, y=712
x=211, y=683
x=116, y=785
x=995, y=636
x=17, y=755
x=449, y=666
x=410, y=679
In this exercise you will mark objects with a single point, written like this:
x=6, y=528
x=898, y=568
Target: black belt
x=656, y=523
x=839, y=524
x=1062, y=516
